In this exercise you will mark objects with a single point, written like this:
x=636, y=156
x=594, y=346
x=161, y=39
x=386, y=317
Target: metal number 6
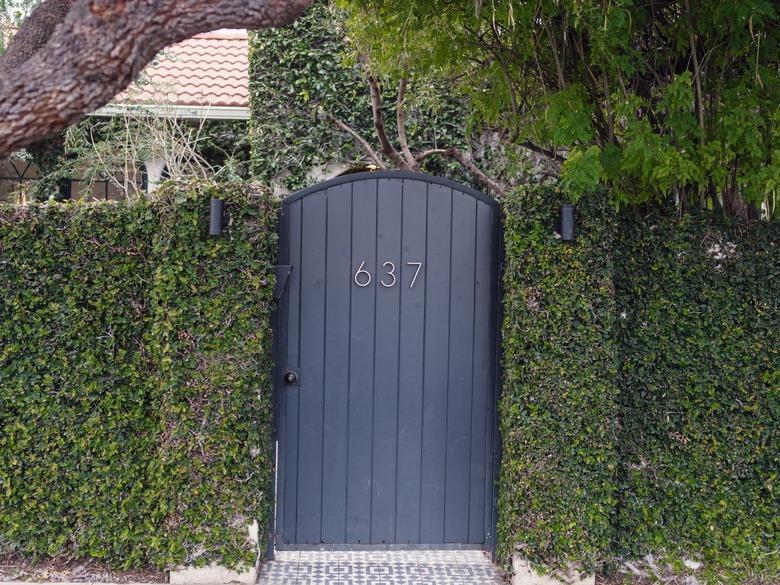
x=365, y=272
x=390, y=272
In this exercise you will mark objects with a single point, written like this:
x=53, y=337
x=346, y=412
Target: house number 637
x=363, y=277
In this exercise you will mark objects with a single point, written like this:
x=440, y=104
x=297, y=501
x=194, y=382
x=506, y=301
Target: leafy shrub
x=699, y=334
x=304, y=75
x=558, y=410
x=134, y=392
x=641, y=393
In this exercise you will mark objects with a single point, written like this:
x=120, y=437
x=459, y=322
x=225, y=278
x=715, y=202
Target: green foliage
x=297, y=76
x=699, y=332
x=679, y=98
x=224, y=145
x=304, y=75
x=558, y=410
x=641, y=391
x=582, y=170
x=134, y=391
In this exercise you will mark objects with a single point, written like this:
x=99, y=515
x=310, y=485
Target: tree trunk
x=99, y=49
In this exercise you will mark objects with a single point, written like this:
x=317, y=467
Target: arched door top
x=406, y=175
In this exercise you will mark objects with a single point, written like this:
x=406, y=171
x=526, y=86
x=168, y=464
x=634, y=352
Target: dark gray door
x=387, y=335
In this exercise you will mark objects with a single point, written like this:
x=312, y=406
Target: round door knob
x=291, y=378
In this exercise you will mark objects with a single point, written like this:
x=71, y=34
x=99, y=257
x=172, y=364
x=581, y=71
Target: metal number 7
x=416, y=272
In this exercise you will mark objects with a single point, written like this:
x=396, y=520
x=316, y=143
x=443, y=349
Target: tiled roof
x=210, y=69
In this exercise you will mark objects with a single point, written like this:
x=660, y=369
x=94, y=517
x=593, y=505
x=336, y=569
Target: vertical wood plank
x=336, y=387
x=460, y=381
x=312, y=343
x=361, y=384
x=291, y=394
x=386, y=370
x=481, y=445
x=491, y=391
x=437, y=319
x=415, y=212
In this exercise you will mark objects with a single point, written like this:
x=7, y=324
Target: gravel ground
x=15, y=568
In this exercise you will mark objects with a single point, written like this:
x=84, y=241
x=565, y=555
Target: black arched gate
x=386, y=353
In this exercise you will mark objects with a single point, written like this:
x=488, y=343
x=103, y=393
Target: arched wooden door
x=386, y=357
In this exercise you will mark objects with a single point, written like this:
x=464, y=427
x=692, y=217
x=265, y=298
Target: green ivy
x=699, y=332
x=558, y=411
x=135, y=402
x=302, y=75
x=641, y=393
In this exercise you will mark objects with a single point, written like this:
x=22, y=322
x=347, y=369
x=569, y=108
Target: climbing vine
x=135, y=400
x=306, y=84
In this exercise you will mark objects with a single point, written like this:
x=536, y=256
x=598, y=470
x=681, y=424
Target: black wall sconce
x=217, y=217
x=64, y=190
x=567, y=222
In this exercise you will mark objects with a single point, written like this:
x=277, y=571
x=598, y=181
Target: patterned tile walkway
x=380, y=568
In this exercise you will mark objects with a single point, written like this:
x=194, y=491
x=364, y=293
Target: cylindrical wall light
x=567, y=222
x=216, y=217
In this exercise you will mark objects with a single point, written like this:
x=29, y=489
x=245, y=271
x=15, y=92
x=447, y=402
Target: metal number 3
x=390, y=272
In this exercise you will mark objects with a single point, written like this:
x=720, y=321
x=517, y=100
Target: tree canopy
x=313, y=103
x=658, y=99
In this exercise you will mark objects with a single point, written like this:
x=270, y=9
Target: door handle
x=290, y=377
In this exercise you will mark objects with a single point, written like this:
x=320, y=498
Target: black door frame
x=279, y=317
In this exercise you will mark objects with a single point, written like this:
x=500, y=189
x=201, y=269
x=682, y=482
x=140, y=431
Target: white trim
x=177, y=111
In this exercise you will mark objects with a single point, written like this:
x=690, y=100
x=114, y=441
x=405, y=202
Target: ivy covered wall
x=134, y=378
x=558, y=409
x=641, y=404
x=304, y=75
x=639, y=412
x=698, y=328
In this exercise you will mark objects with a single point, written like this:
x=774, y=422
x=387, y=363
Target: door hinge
x=282, y=275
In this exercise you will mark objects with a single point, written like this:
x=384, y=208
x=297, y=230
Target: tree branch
x=100, y=48
x=35, y=31
x=697, y=75
x=468, y=163
x=379, y=125
x=410, y=161
x=697, y=78
x=554, y=47
x=400, y=116
x=364, y=144
x=543, y=151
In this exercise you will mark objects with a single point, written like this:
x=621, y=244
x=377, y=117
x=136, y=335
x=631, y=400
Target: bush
x=699, y=337
x=135, y=403
x=641, y=391
x=305, y=75
x=558, y=409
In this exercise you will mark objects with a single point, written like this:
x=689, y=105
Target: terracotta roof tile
x=209, y=69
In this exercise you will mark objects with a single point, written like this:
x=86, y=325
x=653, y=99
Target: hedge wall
x=303, y=75
x=558, y=410
x=641, y=402
x=699, y=334
x=134, y=398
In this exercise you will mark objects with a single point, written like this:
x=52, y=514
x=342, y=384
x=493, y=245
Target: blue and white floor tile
x=449, y=567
